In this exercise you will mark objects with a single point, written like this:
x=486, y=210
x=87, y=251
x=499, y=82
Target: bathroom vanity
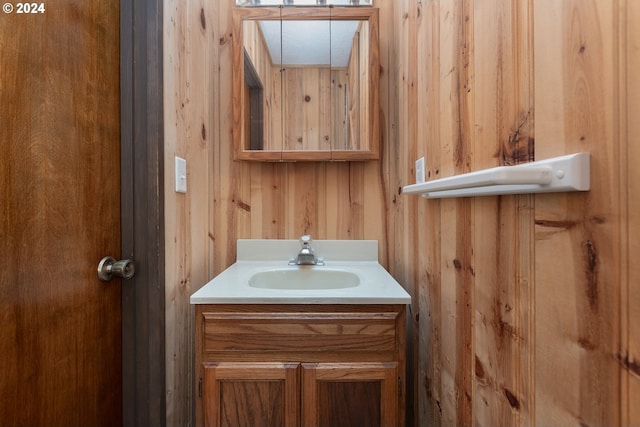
x=276, y=349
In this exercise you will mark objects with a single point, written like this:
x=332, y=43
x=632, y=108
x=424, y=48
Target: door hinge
x=400, y=386
x=200, y=387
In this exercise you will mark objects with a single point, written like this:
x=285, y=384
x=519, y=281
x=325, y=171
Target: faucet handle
x=305, y=240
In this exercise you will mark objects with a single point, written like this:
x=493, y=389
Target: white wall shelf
x=559, y=174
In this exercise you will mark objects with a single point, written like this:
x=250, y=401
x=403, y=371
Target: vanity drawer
x=299, y=331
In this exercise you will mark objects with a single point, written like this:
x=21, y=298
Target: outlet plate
x=420, y=170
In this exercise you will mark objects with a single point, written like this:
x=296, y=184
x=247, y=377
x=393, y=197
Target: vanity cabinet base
x=300, y=365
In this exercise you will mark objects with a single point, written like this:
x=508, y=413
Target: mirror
x=305, y=83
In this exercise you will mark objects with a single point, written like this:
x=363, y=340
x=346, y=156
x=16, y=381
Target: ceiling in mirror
x=309, y=43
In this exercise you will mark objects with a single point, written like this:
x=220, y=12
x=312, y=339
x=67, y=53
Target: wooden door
x=251, y=394
x=350, y=394
x=60, y=339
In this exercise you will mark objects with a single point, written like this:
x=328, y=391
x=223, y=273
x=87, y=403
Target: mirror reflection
x=306, y=87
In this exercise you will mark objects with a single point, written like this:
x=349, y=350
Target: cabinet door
x=250, y=394
x=350, y=394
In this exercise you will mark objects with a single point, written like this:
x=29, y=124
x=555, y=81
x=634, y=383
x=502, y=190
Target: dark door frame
x=142, y=202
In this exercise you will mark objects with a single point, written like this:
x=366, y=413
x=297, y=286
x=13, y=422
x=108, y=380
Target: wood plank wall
x=526, y=304
x=577, y=237
x=257, y=49
x=191, y=79
x=525, y=308
x=311, y=102
x=312, y=120
x=629, y=128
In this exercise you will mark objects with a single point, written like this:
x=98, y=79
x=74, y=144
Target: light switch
x=181, y=175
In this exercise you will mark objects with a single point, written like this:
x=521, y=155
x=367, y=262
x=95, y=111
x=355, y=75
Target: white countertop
x=357, y=256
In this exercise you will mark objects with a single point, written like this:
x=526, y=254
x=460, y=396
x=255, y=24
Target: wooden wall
x=312, y=98
x=257, y=49
x=191, y=127
x=310, y=101
x=629, y=89
x=525, y=304
x=228, y=200
x=525, y=308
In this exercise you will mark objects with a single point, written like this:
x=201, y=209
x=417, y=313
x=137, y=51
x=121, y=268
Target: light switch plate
x=181, y=175
x=420, y=170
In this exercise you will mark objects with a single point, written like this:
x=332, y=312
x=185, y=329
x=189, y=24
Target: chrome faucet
x=306, y=256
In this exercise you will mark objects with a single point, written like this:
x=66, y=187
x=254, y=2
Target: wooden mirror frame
x=242, y=14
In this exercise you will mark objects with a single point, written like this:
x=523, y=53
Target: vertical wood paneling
x=307, y=107
x=629, y=88
x=257, y=49
x=228, y=197
x=177, y=252
x=456, y=122
x=188, y=134
x=504, y=228
x=388, y=119
x=576, y=250
x=214, y=46
x=281, y=200
x=518, y=302
x=401, y=155
x=573, y=354
x=430, y=362
x=267, y=210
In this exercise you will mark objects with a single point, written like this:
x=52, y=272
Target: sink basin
x=261, y=275
x=304, y=278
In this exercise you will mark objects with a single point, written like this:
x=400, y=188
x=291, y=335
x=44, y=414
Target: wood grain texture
x=474, y=111
x=576, y=250
x=305, y=106
x=338, y=200
x=361, y=384
x=283, y=332
x=257, y=50
x=143, y=205
x=334, y=344
x=247, y=394
x=60, y=340
x=399, y=78
x=348, y=403
x=428, y=411
x=503, y=268
x=629, y=91
x=522, y=308
x=456, y=122
x=189, y=132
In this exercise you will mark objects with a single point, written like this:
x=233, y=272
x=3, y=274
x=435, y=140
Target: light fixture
x=261, y=3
